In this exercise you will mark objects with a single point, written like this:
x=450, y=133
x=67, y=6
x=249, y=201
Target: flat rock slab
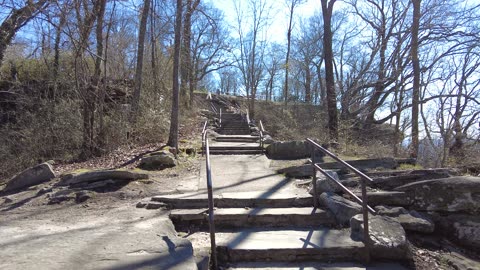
x=100, y=175
x=237, y=199
x=315, y=266
x=123, y=238
x=289, y=245
x=393, y=198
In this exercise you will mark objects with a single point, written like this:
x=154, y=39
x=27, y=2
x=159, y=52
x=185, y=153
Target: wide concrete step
x=297, y=245
x=315, y=266
x=234, y=132
x=228, y=218
x=235, y=200
x=236, y=152
x=239, y=138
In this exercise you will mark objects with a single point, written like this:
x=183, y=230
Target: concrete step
x=235, y=200
x=236, y=152
x=234, y=132
x=228, y=218
x=323, y=244
x=239, y=138
x=315, y=266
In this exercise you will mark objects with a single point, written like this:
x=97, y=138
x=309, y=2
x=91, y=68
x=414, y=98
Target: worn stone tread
x=236, y=199
x=290, y=245
x=314, y=266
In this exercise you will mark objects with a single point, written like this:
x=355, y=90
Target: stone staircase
x=277, y=228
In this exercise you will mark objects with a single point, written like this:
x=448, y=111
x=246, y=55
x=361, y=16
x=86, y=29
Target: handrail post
x=211, y=219
x=366, y=232
x=314, y=180
x=220, y=117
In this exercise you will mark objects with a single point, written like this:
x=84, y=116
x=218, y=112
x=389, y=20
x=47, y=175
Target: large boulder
x=326, y=185
x=388, y=240
x=291, y=150
x=454, y=194
x=100, y=175
x=410, y=221
x=342, y=208
x=32, y=176
x=158, y=161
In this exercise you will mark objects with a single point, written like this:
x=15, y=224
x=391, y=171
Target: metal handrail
x=211, y=219
x=203, y=138
x=220, y=117
x=365, y=207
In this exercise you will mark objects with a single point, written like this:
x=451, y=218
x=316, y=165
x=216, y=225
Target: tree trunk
x=308, y=85
x=289, y=38
x=416, y=78
x=173, y=136
x=327, y=9
x=138, y=71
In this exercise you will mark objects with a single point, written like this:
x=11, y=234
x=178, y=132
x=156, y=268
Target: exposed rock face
x=30, y=177
x=158, y=161
x=387, y=236
x=100, y=175
x=326, y=185
x=463, y=229
x=391, y=182
x=291, y=150
x=342, y=208
x=410, y=221
x=461, y=193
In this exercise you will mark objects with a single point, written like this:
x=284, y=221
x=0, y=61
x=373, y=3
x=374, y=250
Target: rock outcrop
x=454, y=194
x=32, y=176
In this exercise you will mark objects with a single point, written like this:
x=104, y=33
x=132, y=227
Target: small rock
x=158, y=161
x=61, y=196
x=7, y=200
x=155, y=205
x=141, y=204
x=44, y=190
x=267, y=139
x=82, y=196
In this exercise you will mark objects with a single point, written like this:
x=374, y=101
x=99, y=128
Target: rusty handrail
x=211, y=219
x=203, y=136
x=365, y=207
